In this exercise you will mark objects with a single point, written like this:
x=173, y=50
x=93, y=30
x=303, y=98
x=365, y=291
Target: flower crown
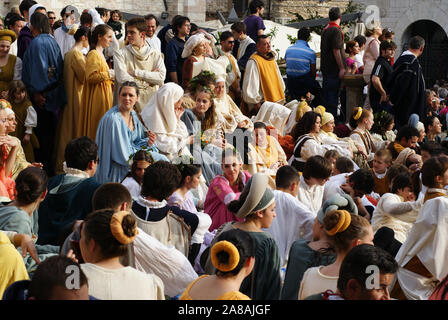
x=131, y=157
x=182, y=161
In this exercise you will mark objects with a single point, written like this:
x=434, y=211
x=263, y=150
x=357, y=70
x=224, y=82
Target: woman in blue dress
x=120, y=134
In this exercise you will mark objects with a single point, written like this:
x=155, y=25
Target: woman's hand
x=9, y=141
x=71, y=255
x=38, y=164
x=190, y=139
x=27, y=245
x=151, y=138
x=179, y=111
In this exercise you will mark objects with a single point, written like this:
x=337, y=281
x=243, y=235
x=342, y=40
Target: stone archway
x=419, y=11
x=434, y=60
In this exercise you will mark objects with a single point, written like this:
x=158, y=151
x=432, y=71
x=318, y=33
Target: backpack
x=397, y=78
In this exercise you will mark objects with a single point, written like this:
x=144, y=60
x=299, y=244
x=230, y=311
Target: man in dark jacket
x=407, y=85
x=69, y=195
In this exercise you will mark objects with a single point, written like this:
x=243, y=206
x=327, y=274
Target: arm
x=400, y=210
x=93, y=73
x=171, y=61
x=121, y=73
x=155, y=76
x=30, y=120
x=79, y=67
x=338, y=57
x=223, y=191
x=18, y=70
x=251, y=84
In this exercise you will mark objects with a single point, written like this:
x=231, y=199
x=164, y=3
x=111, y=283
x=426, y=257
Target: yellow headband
x=343, y=223
x=117, y=229
x=358, y=115
x=232, y=251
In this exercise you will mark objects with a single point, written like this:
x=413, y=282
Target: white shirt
x=293, y=221
x=310, y=197
x=133, y=187
x=125, y=283
x=315, y=282
x=65, y=41
x=154, y=43
x=333, y=186
x=396, y=214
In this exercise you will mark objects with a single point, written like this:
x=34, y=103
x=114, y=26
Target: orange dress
x=7, y=184
x=231, y=295
x=97, y=95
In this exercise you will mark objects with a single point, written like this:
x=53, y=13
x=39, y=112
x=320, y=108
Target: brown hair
x=209, y=120
x=349, y=46
x=100, y=30
x=14, y=86
x=354, y=122
x=433, y=167
x=341, y=241
x=385, y=155
x=138, y=23
x=97, y=227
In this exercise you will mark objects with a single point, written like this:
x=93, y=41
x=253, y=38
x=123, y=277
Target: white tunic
x=293, y=221
x=310, y=197
x=392, y=212
x=428, y=241
x=251, y=90
x=65, y=41
x=148, y=67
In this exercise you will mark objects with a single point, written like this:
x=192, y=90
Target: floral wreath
x=130, y=160
x=182, y=161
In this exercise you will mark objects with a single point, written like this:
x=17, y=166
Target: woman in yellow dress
x=233, y=256
x=10, y=65
x=74, y=79
x=97, y=94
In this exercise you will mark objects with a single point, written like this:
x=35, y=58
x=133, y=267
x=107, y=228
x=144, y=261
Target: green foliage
x=351, y=7
x=291, y=39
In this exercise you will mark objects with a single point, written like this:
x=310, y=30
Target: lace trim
x=151, y=204
x=75, y=172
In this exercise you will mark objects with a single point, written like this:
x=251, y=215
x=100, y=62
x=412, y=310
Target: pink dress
x=219, y=195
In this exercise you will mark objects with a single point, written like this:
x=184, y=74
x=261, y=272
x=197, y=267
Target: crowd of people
x=173, y=165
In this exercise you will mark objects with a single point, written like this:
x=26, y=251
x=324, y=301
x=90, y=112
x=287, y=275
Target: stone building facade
x=426, y=18
x=281, y=11
x=195, y=9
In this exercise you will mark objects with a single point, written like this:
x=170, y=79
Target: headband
x=344, y=222
x=231, y=250
x=117, y=229
x=260, y=196
x=358, y=114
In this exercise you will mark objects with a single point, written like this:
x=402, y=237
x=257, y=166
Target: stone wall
x=400, y=14
x=195, y=9
x=281, y=9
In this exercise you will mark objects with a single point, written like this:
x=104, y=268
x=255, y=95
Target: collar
x=151, y=204
x=75, y=172
x=436, y=190
x=269, y=56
